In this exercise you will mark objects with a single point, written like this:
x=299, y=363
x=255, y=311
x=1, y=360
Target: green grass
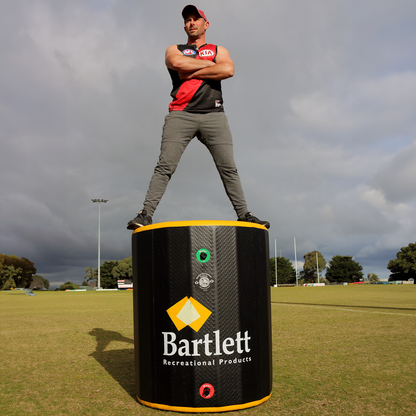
x=336, y=351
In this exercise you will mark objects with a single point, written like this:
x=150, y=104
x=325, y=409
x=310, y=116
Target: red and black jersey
x=196, y=95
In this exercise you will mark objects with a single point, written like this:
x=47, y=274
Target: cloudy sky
x=322, y=108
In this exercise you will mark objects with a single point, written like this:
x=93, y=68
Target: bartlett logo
x=190, y=312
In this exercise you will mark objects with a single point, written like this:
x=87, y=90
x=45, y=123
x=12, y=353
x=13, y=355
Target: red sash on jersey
x=188, y=88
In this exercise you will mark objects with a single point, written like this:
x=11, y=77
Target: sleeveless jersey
x=196, y=95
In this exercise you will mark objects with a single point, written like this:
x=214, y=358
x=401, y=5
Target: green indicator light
x=203, y=255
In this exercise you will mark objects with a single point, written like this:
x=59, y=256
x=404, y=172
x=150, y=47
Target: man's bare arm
x=175, y=60
x=222, y=69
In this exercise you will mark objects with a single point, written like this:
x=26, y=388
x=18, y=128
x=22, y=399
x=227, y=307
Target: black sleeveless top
x=196, y=95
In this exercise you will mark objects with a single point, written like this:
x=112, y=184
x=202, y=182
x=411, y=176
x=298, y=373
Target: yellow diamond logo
x=188, y=311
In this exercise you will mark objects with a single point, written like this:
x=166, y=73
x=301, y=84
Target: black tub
x=202, y=330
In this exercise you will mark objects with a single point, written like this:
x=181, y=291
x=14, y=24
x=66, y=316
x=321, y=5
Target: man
x=197, y=70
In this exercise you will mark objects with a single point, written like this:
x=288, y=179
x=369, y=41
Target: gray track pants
x=213, y=131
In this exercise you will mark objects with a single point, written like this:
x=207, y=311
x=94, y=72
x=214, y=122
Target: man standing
x=196, y=110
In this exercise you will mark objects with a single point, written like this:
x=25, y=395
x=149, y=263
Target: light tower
x=99, y=214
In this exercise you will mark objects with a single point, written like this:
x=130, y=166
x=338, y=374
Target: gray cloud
x=396, y=178
x=321, y=108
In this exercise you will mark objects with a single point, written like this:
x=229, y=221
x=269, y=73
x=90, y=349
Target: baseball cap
x=192, y=9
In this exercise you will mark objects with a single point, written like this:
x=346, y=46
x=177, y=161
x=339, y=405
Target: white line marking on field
x=345, y=309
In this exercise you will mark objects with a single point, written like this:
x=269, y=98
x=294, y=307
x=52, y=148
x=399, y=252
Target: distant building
x=124, y=284
x=86, y=287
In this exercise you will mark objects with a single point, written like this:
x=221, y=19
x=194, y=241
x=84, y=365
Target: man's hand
x=190, y=68
x=178, y=62
x=222, y=69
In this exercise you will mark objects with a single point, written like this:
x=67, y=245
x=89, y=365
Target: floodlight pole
x=296, y=262
x=99, y=227
x=317, y=268
x=275, y=263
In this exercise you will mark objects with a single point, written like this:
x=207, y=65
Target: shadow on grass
x=104, y=337
x=118, y=363
x=345, y=306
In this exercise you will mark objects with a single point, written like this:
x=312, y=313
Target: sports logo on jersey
x=188, y=52
x=206, y=52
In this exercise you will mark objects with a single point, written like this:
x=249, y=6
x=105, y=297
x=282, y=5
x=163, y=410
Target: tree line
x=342, y=268
x=19, y=272
x=110, y=272
x=339, y=269
x=403, y=267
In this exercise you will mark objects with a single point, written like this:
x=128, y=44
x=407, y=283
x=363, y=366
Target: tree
x=39, y=282
x=2, y=278
x=110, y=272
x=10, y=275
x=90, y=274
x=69, y=285
x=9, y=284
x=309, y=273
x=107, y=280
x=373, y=278
x=285, y=271
x=28, y=269
x=404, y=266
x=344, y=269
x=123, y=270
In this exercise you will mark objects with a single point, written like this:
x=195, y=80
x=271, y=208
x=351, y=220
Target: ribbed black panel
x=231, y=351
x=204, y=238
x=230, y=381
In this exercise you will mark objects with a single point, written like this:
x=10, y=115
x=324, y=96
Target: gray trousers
x=213, y=131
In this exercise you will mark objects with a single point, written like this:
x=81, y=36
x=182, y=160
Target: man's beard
x=195, y=33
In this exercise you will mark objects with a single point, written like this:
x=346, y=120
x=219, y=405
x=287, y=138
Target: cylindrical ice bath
x=202, y=327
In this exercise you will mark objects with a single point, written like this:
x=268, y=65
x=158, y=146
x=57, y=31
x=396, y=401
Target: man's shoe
x=249, y=217
x=141, y=220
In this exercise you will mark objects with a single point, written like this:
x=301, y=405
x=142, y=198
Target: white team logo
x=205, y=53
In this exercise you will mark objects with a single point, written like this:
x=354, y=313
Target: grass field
x=336, y=351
